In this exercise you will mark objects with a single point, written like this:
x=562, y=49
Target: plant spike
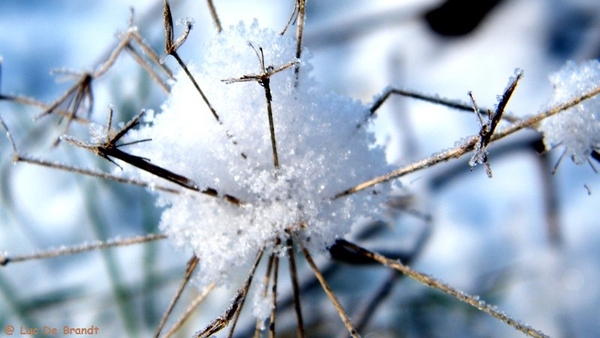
x=64, y=251
x=220, y=322
x=330, y=294
x=191, y=266
x=468, y=145
x=110, y=149
x=436, y=284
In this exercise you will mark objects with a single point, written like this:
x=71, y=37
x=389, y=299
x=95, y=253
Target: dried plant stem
x=74, y=96
x=140, y=60
x=35, y=103
x=301, y=4
x=81, y=91
x=215, y=17
x=189, y=310
x=171, y=46
x=92, y=173
x=264, y=79
x=426, y=280
x=220, y=322
x=330, y=293
x=5, y=259
x=110, y=149
x=196, y=86
x=431, y=99
x=274, y=297
x=259, y=321
x=191, y=266
x=295, y=288
x=468, y=145
x=150, y=53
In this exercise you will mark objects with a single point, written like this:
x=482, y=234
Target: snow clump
x=576, y=129
x=323, y=147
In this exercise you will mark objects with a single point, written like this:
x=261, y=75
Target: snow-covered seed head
x=321, y=153
x=578, y=128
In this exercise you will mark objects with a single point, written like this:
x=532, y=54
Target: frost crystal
x=578, y=128
x=321, y=153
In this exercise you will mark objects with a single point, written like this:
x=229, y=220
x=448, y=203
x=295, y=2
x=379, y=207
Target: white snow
x=321, y=152
x=576, y=129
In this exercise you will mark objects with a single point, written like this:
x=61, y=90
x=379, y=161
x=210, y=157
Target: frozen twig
x=110, y=149
x=220, y=322
x=295, y=288
x=436, y=284
x=193, y=305
x=487, y=128
x=435, y=99
x=215, y=16
x=171, y=47
x=259, y=321
x=298, y=15
x=5, y=259
x=469, y=145
x=264, y=79
x=191, y=266
x=330, y=294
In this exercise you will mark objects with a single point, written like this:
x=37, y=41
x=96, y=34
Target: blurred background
x=525, y=240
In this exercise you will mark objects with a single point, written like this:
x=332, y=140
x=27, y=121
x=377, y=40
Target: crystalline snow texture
x=321, y=153
x=578, y=128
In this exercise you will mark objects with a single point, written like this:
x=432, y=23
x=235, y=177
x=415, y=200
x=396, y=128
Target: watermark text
x=45, y=330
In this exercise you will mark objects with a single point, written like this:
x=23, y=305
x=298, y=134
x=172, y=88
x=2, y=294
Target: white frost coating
x=578, y=128
x=321, y=153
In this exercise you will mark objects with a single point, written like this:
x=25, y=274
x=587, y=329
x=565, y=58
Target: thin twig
x=468, y=145
x=35, y=103
x=193, y=305
x=191, y=266
x=299, y=15
x=488, y=128
x=5, y=259
x=140, y=60
x=215, y=17
x=259, y=321
x=436, y=284
x=110, y=149
x=299, y=35
x=428, y=98
x=81, y=91
x=151, y=53
x=92, y=173
x=171, y=49
x=264, y=79
x=17, y=157
x=220, y=322
x=295, y=288
x=274, y=296
x=329, y=292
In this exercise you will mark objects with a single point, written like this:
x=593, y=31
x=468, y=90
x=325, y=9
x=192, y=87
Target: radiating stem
x=436, y=284
x=189, y=310
x=295, y=288
x=330, y=293
x=5, y=259
x=191, y=265
x=468, y=145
